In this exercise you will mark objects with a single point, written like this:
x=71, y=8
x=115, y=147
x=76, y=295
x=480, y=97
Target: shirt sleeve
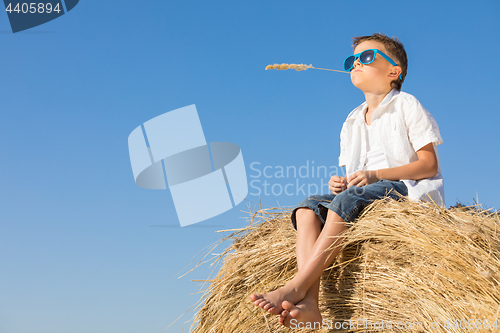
x=421, y=125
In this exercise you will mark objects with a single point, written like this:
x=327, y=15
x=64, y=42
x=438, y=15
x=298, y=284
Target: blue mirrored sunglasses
x=366, y=57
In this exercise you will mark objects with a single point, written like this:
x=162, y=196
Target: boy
x=388, y=148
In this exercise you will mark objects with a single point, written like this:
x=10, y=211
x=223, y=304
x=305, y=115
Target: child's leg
x=308, y=230
x=318, y=259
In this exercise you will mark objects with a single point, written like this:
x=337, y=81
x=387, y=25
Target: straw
x=299, y=67
x=401, y=262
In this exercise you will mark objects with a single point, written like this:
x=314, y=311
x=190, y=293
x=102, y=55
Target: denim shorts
x=349, y=203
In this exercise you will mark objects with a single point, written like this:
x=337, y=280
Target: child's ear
x=395, y=71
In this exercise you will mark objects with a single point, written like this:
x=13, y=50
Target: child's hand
x=337, y=184
x=362, y=178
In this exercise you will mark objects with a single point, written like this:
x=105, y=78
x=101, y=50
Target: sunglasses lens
x=367, y=57
x=348, y=63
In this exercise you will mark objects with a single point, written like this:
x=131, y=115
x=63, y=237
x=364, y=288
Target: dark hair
x=395, y=49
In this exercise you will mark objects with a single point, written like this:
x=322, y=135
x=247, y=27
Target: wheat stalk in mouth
x=299, y=67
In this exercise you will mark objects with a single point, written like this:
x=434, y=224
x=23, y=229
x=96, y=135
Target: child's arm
x=425, y=167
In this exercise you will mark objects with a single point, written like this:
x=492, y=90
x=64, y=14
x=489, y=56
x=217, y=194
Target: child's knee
x=306, y=216
x=304, y=213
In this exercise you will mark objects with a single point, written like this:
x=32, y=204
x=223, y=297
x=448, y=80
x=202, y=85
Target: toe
x=274, y=310
x=283, y=316
x=260, y=302
x=287, y=306
x=286, y=320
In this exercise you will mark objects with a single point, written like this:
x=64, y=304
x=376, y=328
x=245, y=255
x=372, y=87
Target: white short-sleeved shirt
x=375, y=157
x=402, y=126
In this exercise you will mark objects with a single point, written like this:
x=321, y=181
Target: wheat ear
x=299, y=67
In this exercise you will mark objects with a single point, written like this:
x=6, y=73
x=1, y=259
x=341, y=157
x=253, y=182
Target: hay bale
x=402, y=262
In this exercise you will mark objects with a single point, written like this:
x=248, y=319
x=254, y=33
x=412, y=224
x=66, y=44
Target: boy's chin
x=361, y=85
x=367, y=86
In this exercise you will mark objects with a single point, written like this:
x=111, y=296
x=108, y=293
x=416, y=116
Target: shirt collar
x=359, y=112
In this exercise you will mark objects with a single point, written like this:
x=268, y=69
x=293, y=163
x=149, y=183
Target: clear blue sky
x=83, y=249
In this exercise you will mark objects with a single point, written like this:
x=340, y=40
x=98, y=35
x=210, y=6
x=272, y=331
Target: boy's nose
x=356, y=63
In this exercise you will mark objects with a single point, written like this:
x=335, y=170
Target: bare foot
x=305, y=312
x=272, y=300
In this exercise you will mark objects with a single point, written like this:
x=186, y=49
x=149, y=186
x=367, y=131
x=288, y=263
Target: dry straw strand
x=299, y=67
x=401, y=262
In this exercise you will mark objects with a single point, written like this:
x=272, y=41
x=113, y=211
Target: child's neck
x=373, y=99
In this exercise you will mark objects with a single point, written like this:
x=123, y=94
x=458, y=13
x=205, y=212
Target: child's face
x=374, y=77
